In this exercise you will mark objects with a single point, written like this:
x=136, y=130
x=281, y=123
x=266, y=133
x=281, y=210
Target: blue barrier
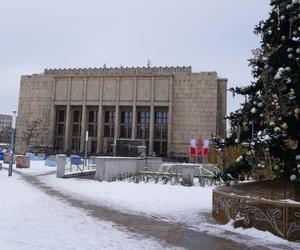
x=50, y=163
x=1, y=156
x=34, y=157
x=76, y=160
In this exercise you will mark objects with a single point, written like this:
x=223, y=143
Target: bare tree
x=31, y=131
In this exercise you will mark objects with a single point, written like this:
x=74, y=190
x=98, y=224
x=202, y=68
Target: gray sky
x=209, y=35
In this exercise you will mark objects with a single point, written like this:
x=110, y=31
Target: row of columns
x=117, y=118
x=100, y=127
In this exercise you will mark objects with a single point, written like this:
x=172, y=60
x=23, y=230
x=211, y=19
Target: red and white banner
x=200, y=146
x=193, y=147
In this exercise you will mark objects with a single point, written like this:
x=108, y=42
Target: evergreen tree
x=268, y=123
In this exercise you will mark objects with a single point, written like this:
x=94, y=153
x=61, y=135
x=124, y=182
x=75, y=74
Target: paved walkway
x=175, y=234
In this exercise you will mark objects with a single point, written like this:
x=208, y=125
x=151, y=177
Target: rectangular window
x=161, y=132
x=126, y=124
x=109, y=123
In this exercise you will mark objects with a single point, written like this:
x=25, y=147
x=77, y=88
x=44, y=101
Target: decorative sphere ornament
x=276, y=167
x=278, y=76
x=281, y=70
x=237, y=141
x=283, y=38
x=290, y=56
x=260, y=105
x=270, y=32
x=277, y=129
x=272, y=21
x=253, y=110
x=272, y=124
x=284, y=125
x=261, y=115
x=288, y=69
x=298, y=51
x=282, y=17
x=232, y=182
x=293, y=177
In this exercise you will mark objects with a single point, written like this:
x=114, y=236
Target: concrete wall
x=107, y=168
x=35, y=102
x=195, y=108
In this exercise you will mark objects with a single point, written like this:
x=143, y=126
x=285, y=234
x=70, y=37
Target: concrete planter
x=266, y=211
x=22, y=161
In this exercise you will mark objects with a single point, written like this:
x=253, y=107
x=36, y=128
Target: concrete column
x=100, y=130
x=117, y=113
x=83, y=117
x=68, y=129
x=68, y=119
x=170, y=116
x=52, y=125
x=117, y=122
x=134, y=122
x=61, y=164
x=53, y=116
x=134, y=112
x=151, y=132
x=83, y=127
x=100, y=119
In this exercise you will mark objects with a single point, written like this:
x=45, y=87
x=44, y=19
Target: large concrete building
x=165, y=106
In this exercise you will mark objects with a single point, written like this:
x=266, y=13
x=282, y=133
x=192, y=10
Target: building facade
x=165, y=106
x=5, y=127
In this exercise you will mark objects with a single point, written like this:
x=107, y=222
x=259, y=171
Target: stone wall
x=35, y=102
x=195, y=108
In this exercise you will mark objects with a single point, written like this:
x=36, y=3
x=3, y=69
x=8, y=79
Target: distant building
x=165, y=106
x=5, y=127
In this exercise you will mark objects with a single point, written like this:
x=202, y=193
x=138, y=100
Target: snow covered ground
x=30, y=219
x=174, y=203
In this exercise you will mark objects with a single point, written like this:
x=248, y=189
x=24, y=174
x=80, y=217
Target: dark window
x=109, y=123
x=161, y=132
x=126, y=124
x=59, y=130
x=143, y=125
x=76, y=131
x=93, y=116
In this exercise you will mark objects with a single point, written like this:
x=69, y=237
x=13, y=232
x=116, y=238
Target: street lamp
x=12, y=144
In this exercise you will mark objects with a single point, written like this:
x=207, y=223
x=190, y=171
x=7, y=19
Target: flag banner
x=193, y=147
x=199, y=147
x=205, y=146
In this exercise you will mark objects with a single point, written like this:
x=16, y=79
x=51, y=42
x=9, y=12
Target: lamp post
x=12, y=144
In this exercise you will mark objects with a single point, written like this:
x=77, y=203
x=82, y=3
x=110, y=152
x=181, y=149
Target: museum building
x=164, y=106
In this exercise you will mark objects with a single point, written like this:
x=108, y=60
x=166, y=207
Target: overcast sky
x=209, y=35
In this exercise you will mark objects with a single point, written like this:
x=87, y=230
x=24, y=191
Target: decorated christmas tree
x=268, y=123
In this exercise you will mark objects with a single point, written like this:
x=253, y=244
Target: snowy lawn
x=183, y=204
x=30, y=219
